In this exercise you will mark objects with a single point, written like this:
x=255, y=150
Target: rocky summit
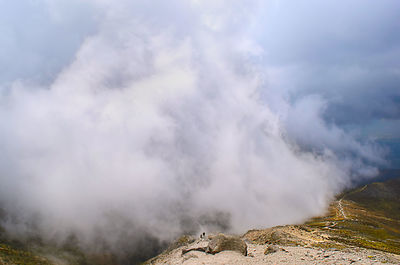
x=361, y=227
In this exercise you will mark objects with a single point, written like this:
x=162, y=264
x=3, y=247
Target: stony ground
x=285, y=255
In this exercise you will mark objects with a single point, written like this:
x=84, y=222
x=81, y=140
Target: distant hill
x=382, y=197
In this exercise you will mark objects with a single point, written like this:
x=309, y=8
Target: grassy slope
x=366, y=217
x=33, y=253
x=14, y=255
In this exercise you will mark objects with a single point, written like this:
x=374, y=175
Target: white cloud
x=162, y=119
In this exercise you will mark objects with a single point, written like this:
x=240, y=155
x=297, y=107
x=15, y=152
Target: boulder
x=271, y=249
x=222, y=242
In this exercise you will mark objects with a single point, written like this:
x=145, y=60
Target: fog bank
x=126, y=119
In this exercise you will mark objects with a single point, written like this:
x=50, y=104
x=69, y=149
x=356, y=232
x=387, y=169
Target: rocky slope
x=361, y=227
x=260, y=254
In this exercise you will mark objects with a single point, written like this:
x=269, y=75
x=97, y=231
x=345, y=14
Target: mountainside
x=361, y=227
x=368, y=217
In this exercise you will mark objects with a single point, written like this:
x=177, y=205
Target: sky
x=137, y=118
x=347, y=54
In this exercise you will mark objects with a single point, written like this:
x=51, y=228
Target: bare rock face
x=222, y=242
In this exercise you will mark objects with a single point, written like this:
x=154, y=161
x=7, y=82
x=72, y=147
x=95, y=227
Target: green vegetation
x=380, y=197
x=366, y=217
x=329, y=245
x=11, y=255
x=34, y=251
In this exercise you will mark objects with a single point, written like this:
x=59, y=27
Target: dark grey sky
x=348, y=52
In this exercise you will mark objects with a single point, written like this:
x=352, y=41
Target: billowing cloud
x=139, y=118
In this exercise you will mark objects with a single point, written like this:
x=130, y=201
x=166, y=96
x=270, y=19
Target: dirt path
x=340, y=207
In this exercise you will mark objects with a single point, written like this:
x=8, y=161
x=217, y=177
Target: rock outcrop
x=221, y=242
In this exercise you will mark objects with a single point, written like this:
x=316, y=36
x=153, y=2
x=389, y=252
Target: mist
x=124, y=120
